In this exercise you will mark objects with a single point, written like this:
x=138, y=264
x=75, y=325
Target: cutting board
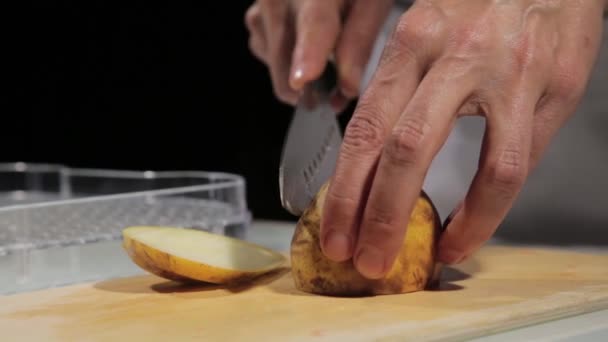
x=500, y=288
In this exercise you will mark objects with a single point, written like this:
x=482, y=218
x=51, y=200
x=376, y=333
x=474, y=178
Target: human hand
x=296, y=38
x=522, y=64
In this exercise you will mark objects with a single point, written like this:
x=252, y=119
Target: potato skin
x=414, y=269
x=180, y=270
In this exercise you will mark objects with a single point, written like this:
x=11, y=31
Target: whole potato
x=415, y=268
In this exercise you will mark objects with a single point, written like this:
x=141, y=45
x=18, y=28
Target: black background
x=121, y=85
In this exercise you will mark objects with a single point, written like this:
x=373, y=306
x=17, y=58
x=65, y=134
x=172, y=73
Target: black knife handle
x=328, y=80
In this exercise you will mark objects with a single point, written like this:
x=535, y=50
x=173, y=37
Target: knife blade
x=311, y=146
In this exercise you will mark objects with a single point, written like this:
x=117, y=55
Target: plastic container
x=60, y=225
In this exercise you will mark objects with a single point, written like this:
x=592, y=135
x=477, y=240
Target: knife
x=311, y=146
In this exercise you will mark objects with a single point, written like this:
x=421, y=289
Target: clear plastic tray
x=53, y=217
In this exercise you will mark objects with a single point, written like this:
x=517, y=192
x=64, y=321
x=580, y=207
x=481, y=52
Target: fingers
x=356, y=41
x=279, y=44
x=257, y=36
x=416, y=138
x=504, y=166
x=317, y=27
x=388, y=93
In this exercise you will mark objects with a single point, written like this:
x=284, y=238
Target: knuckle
x=404, y=146
x=508, y=173
x=408, y=35
x=415, y=30
x=569, y=84
x=380, y=226
x=527, y=55
x=365, y=132
x=340, y=196
x=420, y=22
x=381, y=220
x=474, y=39
x=251, y=16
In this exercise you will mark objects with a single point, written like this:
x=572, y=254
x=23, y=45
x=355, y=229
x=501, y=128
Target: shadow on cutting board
x=450, y=275
x=154, y=284
x=173, y=287
x=449, y=278
x=279, y=281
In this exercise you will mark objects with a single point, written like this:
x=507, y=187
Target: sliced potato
x=185, y=255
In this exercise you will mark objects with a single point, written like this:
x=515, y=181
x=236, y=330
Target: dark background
x=120, y=86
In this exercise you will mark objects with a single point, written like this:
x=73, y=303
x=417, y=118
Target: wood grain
x=500, y=288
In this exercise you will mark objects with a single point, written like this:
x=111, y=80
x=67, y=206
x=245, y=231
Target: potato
x=415, y=268
x=187, y=255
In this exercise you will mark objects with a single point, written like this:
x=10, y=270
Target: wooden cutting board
x=500, y=288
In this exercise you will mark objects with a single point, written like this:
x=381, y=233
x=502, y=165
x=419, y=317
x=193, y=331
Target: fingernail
x=338, y=246
x=370, y=263
x=296, y=78
x=450, y=256
x=351, y=78
x=347, y=93
x=297, y=75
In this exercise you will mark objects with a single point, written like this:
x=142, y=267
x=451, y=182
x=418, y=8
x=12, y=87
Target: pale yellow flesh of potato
x=414, y=269
x=186, y=255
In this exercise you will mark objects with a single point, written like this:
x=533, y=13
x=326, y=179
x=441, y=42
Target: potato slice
x=186, y=255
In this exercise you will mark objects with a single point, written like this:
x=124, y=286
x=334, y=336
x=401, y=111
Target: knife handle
x=318, y=91
x=328, y=80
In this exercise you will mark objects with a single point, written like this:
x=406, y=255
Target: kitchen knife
x=311, y=146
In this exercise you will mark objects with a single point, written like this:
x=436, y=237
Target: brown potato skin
x=182, y=270
x=415, y=268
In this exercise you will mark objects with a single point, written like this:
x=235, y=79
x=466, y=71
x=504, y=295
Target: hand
x=522, y=64
x=296, y=38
